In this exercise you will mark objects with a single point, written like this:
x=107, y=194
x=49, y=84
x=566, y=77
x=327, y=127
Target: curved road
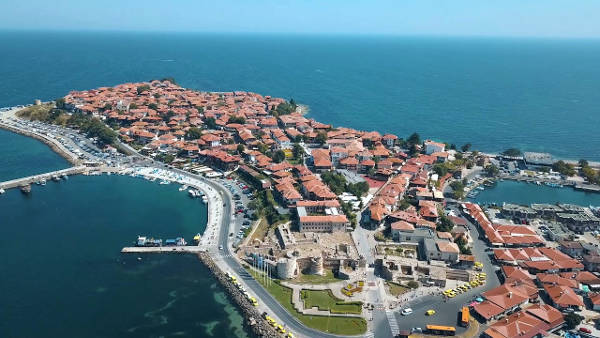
x=291, y=322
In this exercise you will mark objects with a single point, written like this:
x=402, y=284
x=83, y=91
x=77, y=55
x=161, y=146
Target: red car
x=585, y=330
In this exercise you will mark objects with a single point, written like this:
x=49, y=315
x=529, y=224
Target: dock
x=24, y=181
x=164, y=249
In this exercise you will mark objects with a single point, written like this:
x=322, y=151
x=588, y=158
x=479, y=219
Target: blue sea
x=496, y=93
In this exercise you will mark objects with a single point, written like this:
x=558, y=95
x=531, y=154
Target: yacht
x=183, y=187
x=193, y=193
x=204, y=199
x=43, y=181
x=2, y=191
x=164, y=182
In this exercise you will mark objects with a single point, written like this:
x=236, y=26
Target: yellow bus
x=464, y=317
x=441, y=330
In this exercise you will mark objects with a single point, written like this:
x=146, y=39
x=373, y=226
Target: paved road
x=447, y=312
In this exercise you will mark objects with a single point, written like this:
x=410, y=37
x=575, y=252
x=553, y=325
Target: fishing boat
x=179, y=241
x=145, y=241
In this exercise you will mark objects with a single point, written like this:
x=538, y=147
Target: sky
x=522, y=18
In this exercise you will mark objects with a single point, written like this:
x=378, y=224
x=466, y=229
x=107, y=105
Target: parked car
x=585, y=330
x=407, y=311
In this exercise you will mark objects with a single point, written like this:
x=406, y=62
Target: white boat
x=164, y=182
x=193, y=193
x=2, y=191
x=183, y=187
x=43, y=182
x=204, y=199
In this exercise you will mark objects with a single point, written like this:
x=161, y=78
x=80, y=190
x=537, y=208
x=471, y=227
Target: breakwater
x=252, y=318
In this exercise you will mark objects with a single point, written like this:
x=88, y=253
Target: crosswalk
x=393, y=322
x=369, y=334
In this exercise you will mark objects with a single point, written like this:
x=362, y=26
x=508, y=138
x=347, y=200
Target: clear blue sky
x=544, y=18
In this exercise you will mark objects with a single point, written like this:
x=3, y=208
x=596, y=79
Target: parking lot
x=242, y=195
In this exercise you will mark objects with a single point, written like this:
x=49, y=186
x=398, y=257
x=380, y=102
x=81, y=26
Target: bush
x=412, y=284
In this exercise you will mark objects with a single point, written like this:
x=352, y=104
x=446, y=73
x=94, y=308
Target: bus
x=441, y=330
x=464, y=317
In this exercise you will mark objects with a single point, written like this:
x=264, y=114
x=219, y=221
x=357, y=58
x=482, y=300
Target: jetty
x=25, y=181
x=165, y=249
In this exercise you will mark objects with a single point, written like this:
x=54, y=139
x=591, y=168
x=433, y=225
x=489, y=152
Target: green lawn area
x=325, y=300
x=331, y=324
x=261, y=230
x=328, y=277
x=396, y=289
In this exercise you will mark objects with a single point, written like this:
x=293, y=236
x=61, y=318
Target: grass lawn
x=397, y=289
x=331, y=324
x=261, y=230
x=325, y=300
x=328, y=277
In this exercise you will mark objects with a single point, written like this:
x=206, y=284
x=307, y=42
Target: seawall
x=252, y=318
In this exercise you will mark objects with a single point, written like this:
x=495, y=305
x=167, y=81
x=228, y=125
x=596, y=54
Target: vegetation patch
x=347, y=326
x=326, y=301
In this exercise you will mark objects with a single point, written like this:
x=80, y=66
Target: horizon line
x=299, y=34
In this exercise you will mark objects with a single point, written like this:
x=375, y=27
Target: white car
x=407, y=311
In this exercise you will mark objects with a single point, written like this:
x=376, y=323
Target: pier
x=18, y=182
x=164, y=249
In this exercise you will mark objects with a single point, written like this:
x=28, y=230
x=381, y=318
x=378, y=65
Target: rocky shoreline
x=252, y=318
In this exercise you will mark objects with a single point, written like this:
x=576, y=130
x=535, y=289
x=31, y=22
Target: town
x=349, y=230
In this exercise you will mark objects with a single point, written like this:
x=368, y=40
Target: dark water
x=22, y=156
x=527, y=193
x=63, y=274
x=533, y=94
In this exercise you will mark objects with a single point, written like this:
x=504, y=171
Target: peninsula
x=316, y=230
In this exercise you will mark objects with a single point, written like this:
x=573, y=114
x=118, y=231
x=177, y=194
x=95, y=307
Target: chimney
x=509, y=294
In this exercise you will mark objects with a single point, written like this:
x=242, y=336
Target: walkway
x=46, y=176
x=299, y=303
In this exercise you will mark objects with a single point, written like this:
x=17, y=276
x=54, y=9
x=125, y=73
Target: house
x=535, y=321
x=505, y=298
x=321, y=160
x=433, y=147
x=563, y=297
x=323, y=223
x=592, y=263
x=571, y=248
x=594, y=299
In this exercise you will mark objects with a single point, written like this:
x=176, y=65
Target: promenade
x=18, y=182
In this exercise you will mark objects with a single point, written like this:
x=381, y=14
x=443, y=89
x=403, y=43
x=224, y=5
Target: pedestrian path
x=393, y=322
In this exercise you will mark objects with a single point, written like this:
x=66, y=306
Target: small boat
x=164, y=182
x=183, y=187
x=43, y=182
x=2, y=191
x=204, y=199
x=193, y=193
x=38, y=182
x=26, y=189
x=55, y=178
x=197, y=238
x=65, y=176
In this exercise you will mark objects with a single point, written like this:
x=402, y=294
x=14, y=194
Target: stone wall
x=252, y=318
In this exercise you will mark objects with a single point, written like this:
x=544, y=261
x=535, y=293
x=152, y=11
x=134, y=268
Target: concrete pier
x=164, y=249
x=46, y=176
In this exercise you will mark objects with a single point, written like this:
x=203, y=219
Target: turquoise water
x=527, y=193
x=63, y=274
x=533, y=94
x=24, y=156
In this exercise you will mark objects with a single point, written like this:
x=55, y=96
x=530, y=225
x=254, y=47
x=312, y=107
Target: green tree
x=466, y=147
x=211, y=123
x=445, y=224
x=153, y=106
x=564, y=168
x=321, y=137
x=279, y=156
x=142, y=88
x=168, y=79
x=167, y=116
x=573, y=320
x=492, y=170
x=414, y=139
x=458, y=188
x=297, y=150
x=60, y=103
x=512, y=152
x=240, y=148
x=583, y=163
x=440, y=169
x=193, y=133
x=237, y=119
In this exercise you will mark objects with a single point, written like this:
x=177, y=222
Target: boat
x=183, y=187
x=179, y=241
x=204, y=199
x=65, y=176
x=26, y=189
x=193, y=193
x=145, y=241
x=43, y=182
x=164, y=182
x=2, y=191
x=55, y=178
x=197, y=238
